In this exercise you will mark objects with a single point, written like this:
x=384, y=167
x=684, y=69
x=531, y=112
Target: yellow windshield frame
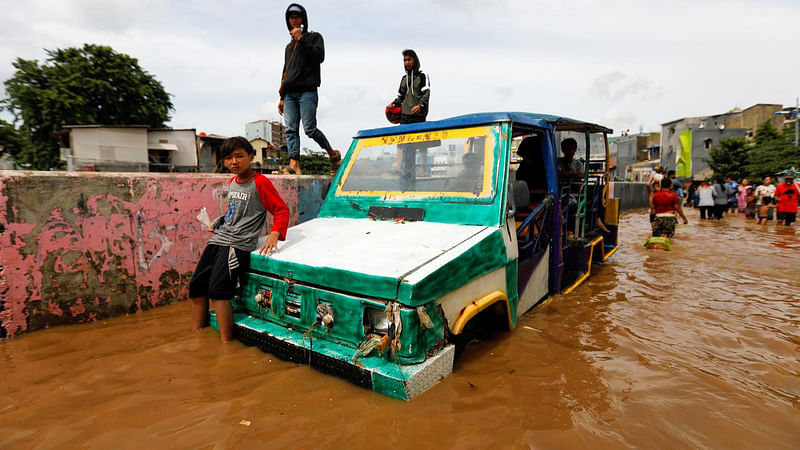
x=490, y=132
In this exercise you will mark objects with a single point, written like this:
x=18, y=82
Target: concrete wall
x=751, y=118
x=670, y=143
x=653, y=139
x=84, y=247
x=626, y=149
x=631, y=195
x=701, y=151
x=206, y=155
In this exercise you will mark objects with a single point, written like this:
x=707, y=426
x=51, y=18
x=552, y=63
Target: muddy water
x=699, y=347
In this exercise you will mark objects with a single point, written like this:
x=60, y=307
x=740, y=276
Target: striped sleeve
x=273, y=203
x=426, y=92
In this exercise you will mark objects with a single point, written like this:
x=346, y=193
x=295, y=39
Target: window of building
x=263, y=152
x=707, y=144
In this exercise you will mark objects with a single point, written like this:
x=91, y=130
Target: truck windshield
x=450, y=163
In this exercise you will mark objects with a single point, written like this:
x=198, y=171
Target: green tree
x=729, y=158
x=13, y=142
x=81, y=86
x=773, y=152
x=313, y=163
x=766, y=133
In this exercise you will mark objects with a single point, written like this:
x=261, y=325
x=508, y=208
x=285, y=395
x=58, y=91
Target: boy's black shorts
x=218, y=271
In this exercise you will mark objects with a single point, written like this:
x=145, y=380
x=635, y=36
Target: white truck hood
x=379, y=248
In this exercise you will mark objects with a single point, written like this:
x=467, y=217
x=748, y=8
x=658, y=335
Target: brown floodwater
x=698, y=347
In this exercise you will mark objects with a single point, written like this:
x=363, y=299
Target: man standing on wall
x=414, y=92
x=299, y=83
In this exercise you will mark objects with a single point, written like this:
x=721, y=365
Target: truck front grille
x=296, y=354
x=293, y=305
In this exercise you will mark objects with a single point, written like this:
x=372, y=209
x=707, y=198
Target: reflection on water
x=697, y=347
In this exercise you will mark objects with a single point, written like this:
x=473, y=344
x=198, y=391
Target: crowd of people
x=715, y=198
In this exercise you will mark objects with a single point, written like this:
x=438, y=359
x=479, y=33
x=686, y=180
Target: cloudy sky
x=625, y=64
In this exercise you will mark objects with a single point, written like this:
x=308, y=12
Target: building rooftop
x=630, y=136
x=733, y=111
x=173, y=129
x=68, y=127
x=763, y=104
x=105, y=126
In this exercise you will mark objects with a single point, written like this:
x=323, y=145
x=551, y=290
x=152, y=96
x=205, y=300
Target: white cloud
x=626, y=64
x=615, y=86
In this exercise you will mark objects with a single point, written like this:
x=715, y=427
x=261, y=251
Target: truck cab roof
x=536, y=120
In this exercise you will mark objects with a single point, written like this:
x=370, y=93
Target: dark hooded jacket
x=303, y=72
x=414, y=90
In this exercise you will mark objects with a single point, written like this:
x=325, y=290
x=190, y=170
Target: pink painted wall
x=82, y=247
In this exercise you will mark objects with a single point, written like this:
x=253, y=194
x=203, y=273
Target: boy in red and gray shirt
x=227, y=255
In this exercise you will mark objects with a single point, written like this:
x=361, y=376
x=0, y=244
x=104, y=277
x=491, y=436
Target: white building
x=270, y=131
x=181, y=146
x=129, y=148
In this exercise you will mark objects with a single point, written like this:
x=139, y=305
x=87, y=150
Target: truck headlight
x=263, y=297
x=325, y=314
x=375, y=321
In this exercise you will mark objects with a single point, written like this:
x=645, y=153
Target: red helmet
x=393, y=113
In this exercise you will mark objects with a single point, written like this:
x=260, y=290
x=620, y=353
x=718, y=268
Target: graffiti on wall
x=82, y=247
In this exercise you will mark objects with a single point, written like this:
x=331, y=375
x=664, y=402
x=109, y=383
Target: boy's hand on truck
x=271, y=245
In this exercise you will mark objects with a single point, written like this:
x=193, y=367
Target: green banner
x=683, y=161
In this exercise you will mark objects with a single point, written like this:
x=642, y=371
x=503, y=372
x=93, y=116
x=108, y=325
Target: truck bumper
x=376, y=373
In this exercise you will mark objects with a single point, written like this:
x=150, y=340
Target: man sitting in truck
x=568, y=166
x=531, y=168
x=470, y=177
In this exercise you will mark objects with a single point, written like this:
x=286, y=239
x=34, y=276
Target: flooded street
x=698, y=347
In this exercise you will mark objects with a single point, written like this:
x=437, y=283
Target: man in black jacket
x=414, y=92
x=298, y=91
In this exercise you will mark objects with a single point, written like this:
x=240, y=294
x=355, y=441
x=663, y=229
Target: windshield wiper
x=361, y=208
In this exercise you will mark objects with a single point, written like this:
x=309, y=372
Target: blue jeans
x=296, y=106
